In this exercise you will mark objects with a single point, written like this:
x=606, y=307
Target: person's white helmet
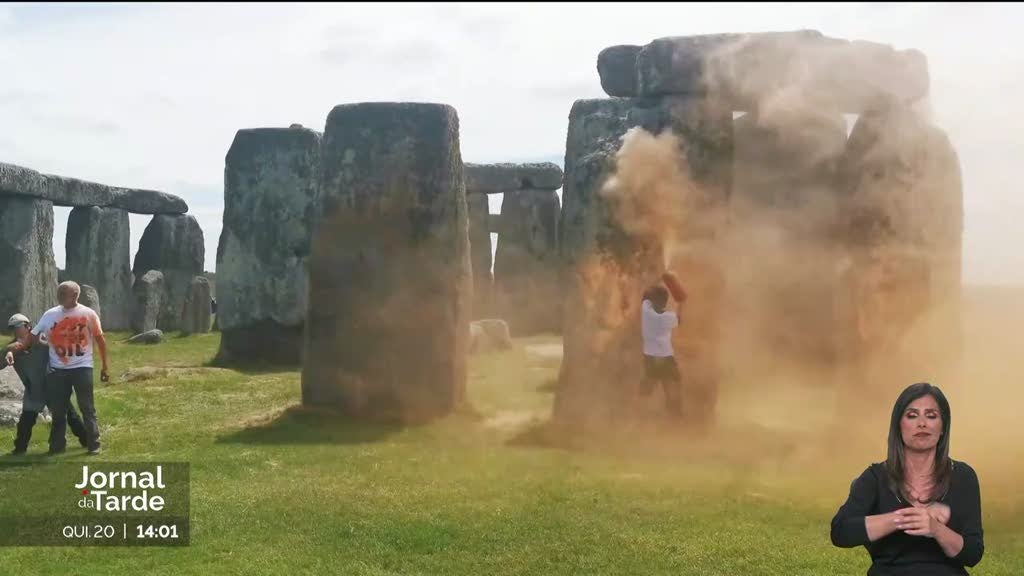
x=17, y=320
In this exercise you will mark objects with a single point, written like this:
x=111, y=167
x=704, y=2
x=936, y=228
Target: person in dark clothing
x=919, y=512
x=31, y=366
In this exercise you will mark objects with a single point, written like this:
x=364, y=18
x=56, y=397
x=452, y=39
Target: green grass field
x=279, y=490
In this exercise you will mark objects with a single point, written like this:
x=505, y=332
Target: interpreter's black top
x=899, y=553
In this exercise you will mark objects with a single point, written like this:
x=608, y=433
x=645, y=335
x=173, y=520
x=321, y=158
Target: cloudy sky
x=150, y=96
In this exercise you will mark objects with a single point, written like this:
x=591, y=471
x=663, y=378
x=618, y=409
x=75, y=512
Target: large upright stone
x=28, y=274
x=595, y=132
x=196, y=317
x=783, y=208
x=902, y=178
x=480, y=246
x=174, y=246
x=91, y=298
x=147, y=301
x=786, y=159
x=607, y=264
x=98, y=253
x=902, y=221
x=270, y=189
x=387, y=328
x=526, y=262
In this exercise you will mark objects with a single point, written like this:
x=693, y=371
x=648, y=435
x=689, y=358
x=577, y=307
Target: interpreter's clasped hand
x=940, y=512
x=917, y=522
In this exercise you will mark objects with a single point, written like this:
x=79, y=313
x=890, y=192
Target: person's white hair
x=69, y=285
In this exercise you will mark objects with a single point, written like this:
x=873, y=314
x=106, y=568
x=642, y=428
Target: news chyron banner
x=90, y=503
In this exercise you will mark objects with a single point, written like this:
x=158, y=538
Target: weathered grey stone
x=148, y=202
x=195, y=317
x=390, y=282
x=11, y=387
x=526, y=265
x=804, y=67
x=786, y=160
x=211, y=277
x=174, y=246
x=64, y=191
x=901, y=177
x=784, y=200
x=594, y=136
x=270, y=183
x=28, y=274
x=498, y=178
x=901, y=184
x=489, y=335
x=494, y=223
x=617, y=67
x=147, y=301
x=149, y=337
x=91, y=299
x=480, y=246
x=606, y=265
x=98, y=253
x=10, y=411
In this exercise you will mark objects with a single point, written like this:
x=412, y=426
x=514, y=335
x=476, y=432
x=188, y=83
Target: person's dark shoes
x=83, y=442
x=95, y=451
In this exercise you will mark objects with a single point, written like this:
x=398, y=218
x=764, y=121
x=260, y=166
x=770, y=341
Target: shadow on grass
x=544, y=434
x=302, y=425
x=252, y=367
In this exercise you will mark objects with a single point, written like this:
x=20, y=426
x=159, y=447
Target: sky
x=151, y=95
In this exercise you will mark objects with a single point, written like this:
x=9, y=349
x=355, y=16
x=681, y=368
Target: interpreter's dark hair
x=896, y=459
x=658, y=295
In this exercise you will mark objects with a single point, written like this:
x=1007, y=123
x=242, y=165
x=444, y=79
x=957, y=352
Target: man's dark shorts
x=661, y=369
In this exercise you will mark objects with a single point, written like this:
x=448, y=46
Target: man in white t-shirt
x=70, y=330
x=657, y=323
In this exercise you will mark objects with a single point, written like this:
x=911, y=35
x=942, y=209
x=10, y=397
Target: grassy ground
x=278, y=490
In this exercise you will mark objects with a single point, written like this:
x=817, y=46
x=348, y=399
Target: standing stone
x=390, y=274
x=606, y=265
x=480, y=246
x=526, y=262
x=786, y=160
x=98, y=253
x=784, y=201
x=901, y=187
x=195, y=318
x=28, y=274
x=147, y=301
x=270, y=188
x=174, y=246
x=91, y=298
